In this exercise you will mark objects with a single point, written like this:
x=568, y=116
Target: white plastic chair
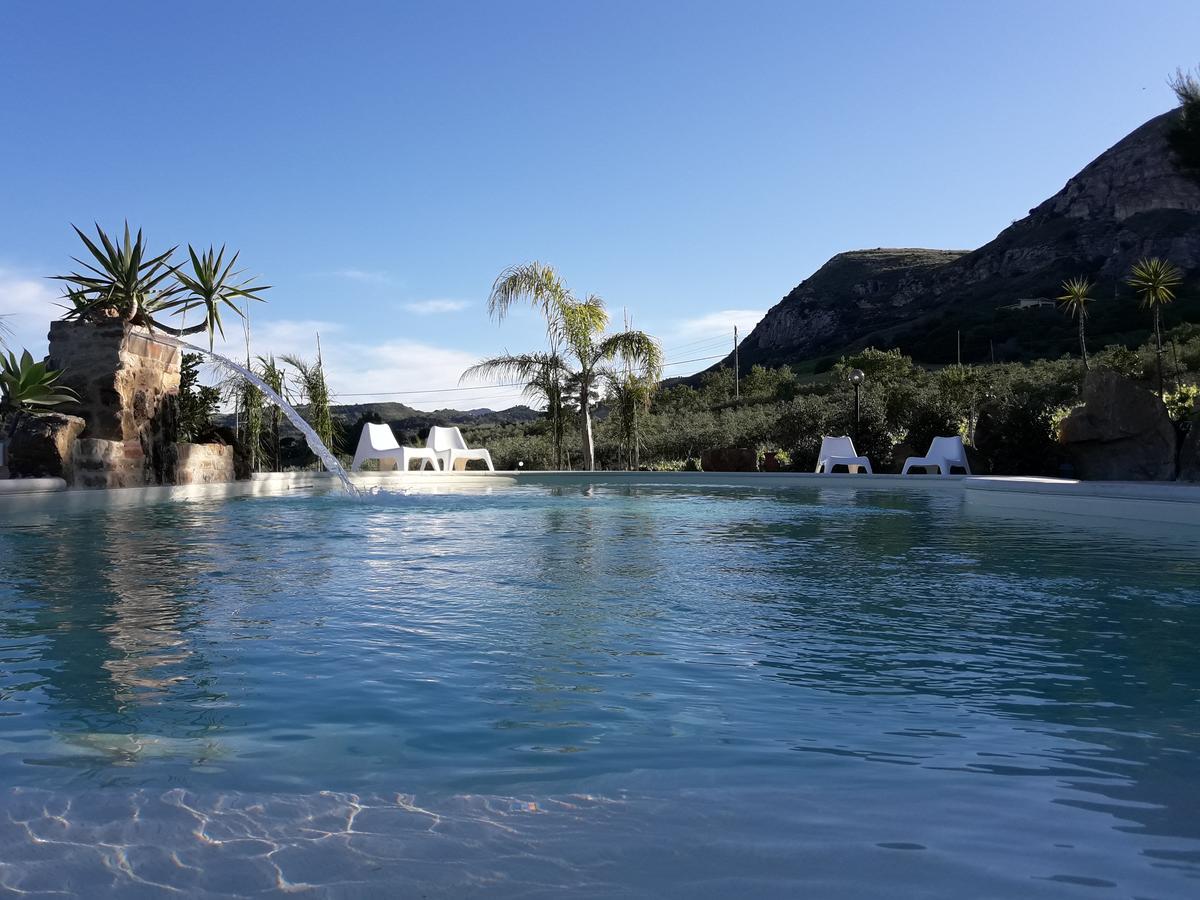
x=378, y=442
x=839, y=451
x=945, y=454
x=453, y=451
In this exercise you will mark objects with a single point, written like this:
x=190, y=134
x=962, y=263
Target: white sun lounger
x=378, y=442
x=452, y=450
x=945, y=454
x=839, y=451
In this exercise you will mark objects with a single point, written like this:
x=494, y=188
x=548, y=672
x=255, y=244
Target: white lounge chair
x=452, y=450
x=839, y=451
x=378, y=442
x=945, y=454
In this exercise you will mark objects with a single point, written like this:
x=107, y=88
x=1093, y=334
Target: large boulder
x=1189, y=454
x=729, y=459
x=43, y=446
x=1122, y=432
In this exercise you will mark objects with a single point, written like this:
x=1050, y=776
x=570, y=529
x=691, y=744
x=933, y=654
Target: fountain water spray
x=314, y=442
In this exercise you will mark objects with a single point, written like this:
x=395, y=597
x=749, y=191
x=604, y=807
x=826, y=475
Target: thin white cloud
x=718, y=324
x=433, y=307
x=29, y=303
x=364, y=276
x=390, y=370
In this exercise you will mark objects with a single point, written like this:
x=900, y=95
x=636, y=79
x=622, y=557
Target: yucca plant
x=211, y=286
x=1075, y=299
x=1155, y=280
x=124, y=280
x=30, y=386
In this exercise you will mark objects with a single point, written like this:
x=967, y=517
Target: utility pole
x=737, y=393
x=958, y=338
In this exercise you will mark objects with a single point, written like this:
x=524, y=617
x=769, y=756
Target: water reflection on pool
x=635, y=692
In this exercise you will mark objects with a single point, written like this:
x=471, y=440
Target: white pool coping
x=1172, y=503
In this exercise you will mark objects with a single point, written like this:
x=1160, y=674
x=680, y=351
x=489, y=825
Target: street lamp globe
x=857, y=376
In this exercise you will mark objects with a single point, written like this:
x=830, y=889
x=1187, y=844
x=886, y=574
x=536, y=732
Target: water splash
x=310, y=436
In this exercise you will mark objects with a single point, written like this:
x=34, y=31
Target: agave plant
x=31, y=386
x=1155, y=281
x=124, y=280
x=1074, y=301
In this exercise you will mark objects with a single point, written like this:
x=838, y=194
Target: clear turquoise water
x=617, y=692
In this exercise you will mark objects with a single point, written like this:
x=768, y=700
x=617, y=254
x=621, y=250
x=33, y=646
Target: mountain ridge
x=1132, y=200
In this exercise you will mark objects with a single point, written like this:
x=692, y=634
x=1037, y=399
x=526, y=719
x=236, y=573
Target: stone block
x=204, y=464
x=43, y=446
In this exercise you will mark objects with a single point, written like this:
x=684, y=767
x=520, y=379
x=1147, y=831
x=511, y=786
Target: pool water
x=607, y=692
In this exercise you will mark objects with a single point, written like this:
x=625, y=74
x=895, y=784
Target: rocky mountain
x=1131, y=201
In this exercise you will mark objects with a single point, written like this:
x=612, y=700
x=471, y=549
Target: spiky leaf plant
x=30, y=386
x=124, y=280
x=212, y=285
x=1074, y=300
x=1155, y=280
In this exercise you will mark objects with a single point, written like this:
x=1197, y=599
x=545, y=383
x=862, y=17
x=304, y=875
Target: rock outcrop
x=128, y=387
x=43, y=446
x=1122, y=432
x=1132, y=201
x=1189, y=455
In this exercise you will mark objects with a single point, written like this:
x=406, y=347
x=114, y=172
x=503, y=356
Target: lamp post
x=856, y=379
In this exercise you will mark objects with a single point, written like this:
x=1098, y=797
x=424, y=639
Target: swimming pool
x=612, y=691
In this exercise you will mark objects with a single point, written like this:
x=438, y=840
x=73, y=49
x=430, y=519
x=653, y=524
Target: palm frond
x=1076, y=296
x=1155, y=281
x=635, y=349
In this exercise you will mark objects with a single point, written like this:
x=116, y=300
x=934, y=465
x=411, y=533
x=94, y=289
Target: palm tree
x=575, y=331
x=541, y=374
x=1075, y=300
x=1155, y=281
x=594, y=351
x=539, y=285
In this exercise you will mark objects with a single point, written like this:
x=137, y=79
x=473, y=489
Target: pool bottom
x=833, y=842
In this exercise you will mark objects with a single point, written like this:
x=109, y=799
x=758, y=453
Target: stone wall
x=110, y=464
x=128, y=387
x=203, y=463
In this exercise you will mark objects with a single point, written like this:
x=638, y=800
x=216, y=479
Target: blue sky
x=380, y=163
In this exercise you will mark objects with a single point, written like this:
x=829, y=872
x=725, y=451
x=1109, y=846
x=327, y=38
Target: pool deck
x=1163, y=502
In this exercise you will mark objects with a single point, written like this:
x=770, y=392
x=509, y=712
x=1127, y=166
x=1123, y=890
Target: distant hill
x=1131, y=201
